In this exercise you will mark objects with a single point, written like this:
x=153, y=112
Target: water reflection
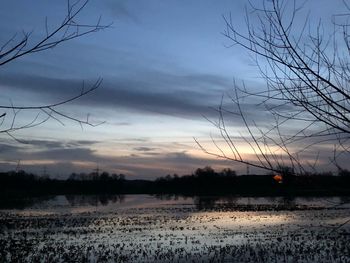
x=200, y=203
x=245, y=203
x=94, y=200
x=164, y=228
x=23, y=202
x=213, y=202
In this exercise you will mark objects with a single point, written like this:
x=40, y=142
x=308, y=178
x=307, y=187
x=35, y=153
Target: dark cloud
x=6, y=149
x=44, y=143
x=70, y=154
x=82, y=142
x=144, y=149
x=155, y=92
x=152, y=92
x=119, y=9
x=58, y=144
x=41, y=87
x=48, y=150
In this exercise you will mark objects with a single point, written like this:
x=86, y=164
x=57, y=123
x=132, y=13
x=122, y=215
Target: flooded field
x=140, y=228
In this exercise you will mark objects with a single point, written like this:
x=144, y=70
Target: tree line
x=203, y=181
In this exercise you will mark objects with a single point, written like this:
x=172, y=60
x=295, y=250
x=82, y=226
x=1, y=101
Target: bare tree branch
x=307, y=95
x=17, y=47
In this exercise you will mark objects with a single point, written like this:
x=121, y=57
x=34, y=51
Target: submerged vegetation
x=146, y=229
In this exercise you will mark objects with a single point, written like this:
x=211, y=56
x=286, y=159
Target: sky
x=165, y=67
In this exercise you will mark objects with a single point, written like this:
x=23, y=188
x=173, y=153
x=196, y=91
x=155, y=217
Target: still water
x=143, y=228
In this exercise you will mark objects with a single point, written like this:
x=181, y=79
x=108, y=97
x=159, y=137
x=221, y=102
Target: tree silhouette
x=18, y=46
x=307, y=97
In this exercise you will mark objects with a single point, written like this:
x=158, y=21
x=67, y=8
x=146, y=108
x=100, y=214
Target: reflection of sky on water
x=233, y=220
x=196, y=228
x=111, y=203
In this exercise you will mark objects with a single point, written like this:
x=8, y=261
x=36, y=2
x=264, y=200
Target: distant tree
x=287, y=174
x=95, y=176
x=20, y=45
x=307, y=98
x=205, y=172
x=104, y=176
x=228, y=172
x=121, y=177
x=73, y=176
x=168, y=177
x=344, y=172
x=115, y=176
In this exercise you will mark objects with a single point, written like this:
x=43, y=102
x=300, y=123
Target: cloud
x=152, y=92
x=144, y=149
x=82, y=143
x=51, y=144
x=70, y=154
x=119, y=9
x=69, y=150
x=44, y=143
x=190, y=96
x=6, y=149
x=61, y=160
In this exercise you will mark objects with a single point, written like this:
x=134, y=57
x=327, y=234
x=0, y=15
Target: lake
x=143, y=228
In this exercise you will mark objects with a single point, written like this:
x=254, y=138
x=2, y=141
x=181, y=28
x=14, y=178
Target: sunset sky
x=165, y=65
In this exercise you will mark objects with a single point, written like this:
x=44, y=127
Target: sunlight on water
x=254, y=219
x=141, y=228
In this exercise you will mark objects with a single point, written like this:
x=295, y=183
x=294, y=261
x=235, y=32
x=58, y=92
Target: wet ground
x=138, y=228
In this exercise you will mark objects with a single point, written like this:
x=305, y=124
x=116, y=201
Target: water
x=142, y=228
